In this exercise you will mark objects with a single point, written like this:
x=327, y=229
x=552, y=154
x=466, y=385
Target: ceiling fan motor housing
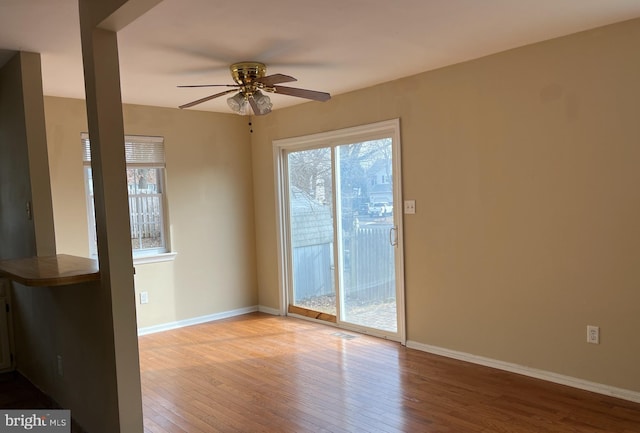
x=246, y=73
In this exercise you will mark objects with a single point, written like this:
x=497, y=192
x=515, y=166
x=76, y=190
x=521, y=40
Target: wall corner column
x=123, y=399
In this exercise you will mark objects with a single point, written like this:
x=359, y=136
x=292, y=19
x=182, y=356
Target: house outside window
x=146, y=186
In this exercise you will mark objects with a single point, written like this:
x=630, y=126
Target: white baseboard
x=269, y=310
x=195, y=320
x=599, y=388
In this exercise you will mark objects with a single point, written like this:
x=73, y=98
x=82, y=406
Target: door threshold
x=292, y=309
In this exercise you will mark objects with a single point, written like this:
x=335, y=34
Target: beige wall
x=209, y=190
x=524, y=168
x=24, y=173
x=70, y=322
x=64, y=119
x=22, y=151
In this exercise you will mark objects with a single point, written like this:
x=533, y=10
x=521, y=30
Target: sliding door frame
x=388, y=128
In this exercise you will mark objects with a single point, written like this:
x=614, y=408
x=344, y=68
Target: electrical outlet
x=59, y=368
x=144, y=297
x=593, y=334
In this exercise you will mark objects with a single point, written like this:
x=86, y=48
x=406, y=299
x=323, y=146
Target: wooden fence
x=372, y=269
x=368, y=269
x=145, y=213
x=313, y=271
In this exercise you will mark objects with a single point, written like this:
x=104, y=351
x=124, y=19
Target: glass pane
x=91, y=211
x=365, y=178
x=310, y=210
x=145, y=208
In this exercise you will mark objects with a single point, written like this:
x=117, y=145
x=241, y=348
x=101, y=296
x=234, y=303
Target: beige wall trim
x=155, y=258
x=269, y=310
x=196, y=320
x=561, y=379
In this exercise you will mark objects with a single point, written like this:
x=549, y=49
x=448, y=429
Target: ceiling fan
x=251, y=80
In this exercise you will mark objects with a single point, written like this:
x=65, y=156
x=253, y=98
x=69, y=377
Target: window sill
x=155, y=258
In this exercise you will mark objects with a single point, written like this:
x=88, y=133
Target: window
x=145, y=184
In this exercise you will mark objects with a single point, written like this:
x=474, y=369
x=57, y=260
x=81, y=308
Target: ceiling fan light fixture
x=263, y=102
x=238, y=103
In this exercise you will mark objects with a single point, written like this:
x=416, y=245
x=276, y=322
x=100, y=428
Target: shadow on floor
x=16, y=392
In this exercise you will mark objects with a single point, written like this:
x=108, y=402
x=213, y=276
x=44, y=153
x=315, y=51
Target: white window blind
x=138, y=149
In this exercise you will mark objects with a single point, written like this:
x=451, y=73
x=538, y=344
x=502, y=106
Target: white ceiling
x=334, y=46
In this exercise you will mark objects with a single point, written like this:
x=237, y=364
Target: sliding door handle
x=393, y=236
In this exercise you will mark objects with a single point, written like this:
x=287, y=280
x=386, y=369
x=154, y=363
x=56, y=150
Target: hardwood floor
x=260, y=373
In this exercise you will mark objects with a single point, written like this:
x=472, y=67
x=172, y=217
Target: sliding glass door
x=312, y=233
x=341, y=229
x=367, y=234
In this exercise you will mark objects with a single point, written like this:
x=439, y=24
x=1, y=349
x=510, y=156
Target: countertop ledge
x=50, y=271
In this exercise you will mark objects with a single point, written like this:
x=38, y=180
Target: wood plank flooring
x=261, y=373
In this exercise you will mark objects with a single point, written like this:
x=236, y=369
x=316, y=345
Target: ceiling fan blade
x=211, y=85
x=302, y=93
x=208, y=98
x=257, y=110
x=254, y=106
x=270, y=80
